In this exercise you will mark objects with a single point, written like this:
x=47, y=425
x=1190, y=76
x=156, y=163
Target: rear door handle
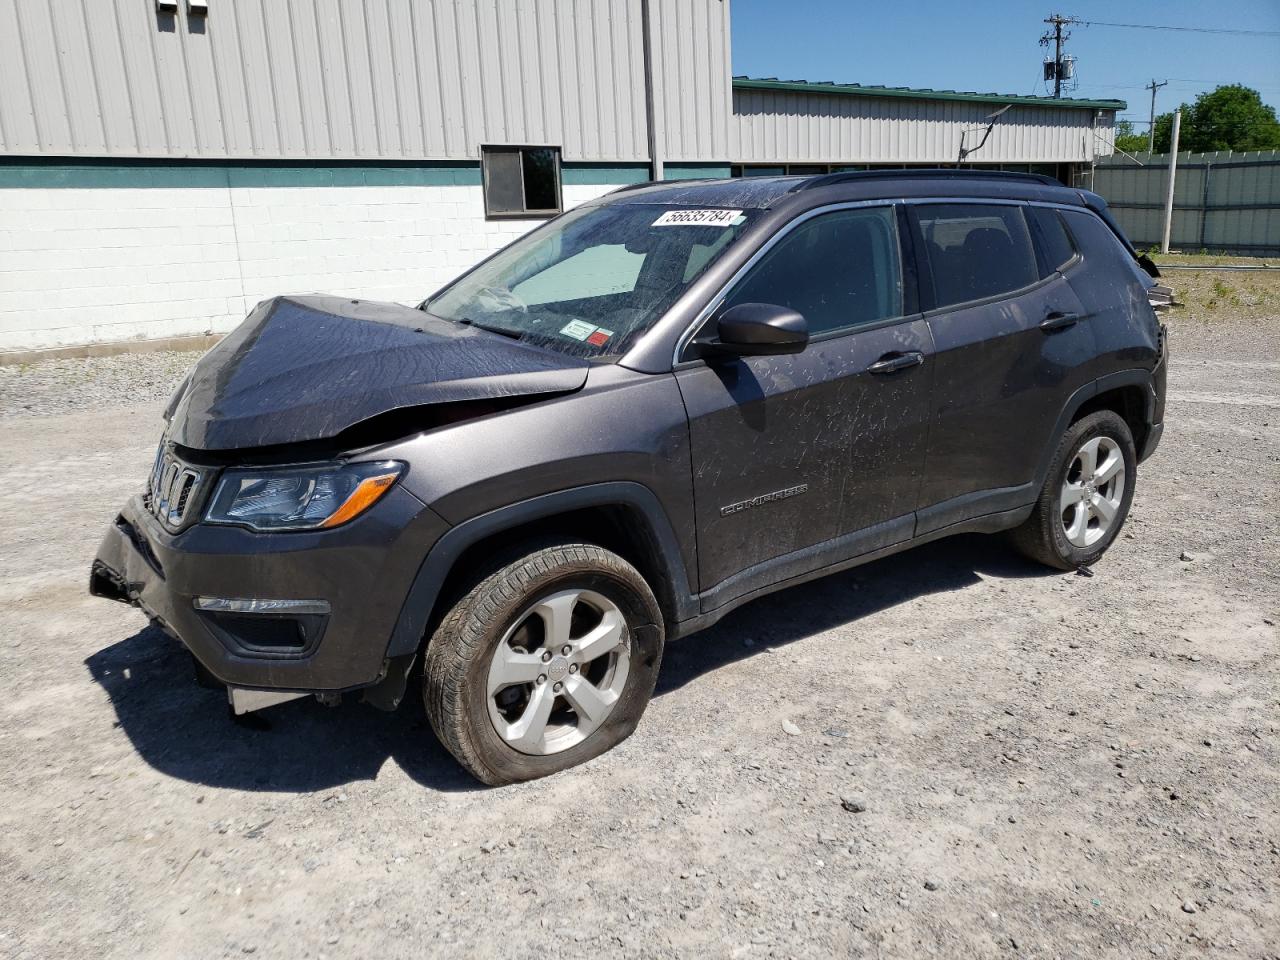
x=893, y=362
x=1059, y=321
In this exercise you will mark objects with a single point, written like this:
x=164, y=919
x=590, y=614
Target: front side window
x=976, y=250
x=837, y=270
x=521, y=181
x=593, y=281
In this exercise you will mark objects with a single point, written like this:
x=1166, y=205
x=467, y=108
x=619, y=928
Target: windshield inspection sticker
x=600, y=337
x=698, y=218
x=578, y=329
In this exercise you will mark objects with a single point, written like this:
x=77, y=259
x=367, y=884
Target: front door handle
x=893, y=362
x=1059, y=321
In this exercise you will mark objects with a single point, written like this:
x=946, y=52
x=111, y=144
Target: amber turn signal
x=363, y=497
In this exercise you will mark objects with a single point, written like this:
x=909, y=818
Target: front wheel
x=544, y=663
x=1086, y=495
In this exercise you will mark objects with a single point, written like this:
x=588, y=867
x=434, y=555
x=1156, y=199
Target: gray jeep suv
x=652, y=409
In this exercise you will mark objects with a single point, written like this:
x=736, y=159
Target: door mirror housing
x=756, y=329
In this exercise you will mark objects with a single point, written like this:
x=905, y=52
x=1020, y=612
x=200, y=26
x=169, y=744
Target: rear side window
x=976, y=250
x=838, y=270
x=1099, y=245
x=1094, y=236
x=1056, y=247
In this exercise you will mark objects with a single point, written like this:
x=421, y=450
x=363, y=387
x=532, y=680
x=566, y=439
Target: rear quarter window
x=1056, y=246
x=1100, y=246
x=976, y=250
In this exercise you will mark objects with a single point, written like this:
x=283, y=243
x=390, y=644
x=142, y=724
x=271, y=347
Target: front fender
x=423, y=594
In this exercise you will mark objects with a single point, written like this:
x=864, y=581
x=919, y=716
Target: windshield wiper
x=501, y=331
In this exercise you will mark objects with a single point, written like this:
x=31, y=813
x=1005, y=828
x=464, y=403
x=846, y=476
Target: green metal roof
x=861, y=90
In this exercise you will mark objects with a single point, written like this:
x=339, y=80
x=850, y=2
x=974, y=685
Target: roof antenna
x=991, y=119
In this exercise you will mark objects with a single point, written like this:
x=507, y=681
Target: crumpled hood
x=307, y=368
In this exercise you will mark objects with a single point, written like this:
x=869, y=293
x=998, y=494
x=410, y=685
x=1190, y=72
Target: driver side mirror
x=756, y=329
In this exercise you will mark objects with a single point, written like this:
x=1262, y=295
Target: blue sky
x=987, y=45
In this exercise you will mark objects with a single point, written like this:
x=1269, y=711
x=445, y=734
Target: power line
x=1147, y=86
x=1234, y=125
x=1225, y=83
x=1159, y=26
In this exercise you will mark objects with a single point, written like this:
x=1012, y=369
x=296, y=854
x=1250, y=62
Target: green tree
x=1127, y=139
x=1164, y=131
x=1232, y=117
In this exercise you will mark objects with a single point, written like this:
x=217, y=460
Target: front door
x=805, y=460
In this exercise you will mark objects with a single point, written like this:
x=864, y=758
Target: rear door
x=1013, y=343
x=803, y=460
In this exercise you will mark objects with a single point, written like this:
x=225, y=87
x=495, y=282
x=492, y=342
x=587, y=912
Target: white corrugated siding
x=774, y=126
x=386, y=79
x=691, y=78
x=435, y=79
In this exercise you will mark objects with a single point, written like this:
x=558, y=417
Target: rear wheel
x=544, y=663
x=1086, y=495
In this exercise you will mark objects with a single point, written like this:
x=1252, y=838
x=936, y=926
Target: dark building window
x=521, y=181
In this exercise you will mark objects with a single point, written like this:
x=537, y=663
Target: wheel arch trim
x=423, y=594
x=1139, y=377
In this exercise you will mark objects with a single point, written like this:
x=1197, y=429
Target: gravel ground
x=60, y=386
x=948, y=753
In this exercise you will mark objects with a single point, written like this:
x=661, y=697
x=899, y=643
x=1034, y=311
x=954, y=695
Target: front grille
x=174, y=489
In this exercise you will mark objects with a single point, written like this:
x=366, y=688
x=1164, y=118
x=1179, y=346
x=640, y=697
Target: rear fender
x=1112, y=381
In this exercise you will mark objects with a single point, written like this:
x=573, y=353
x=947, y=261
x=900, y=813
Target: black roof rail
x=632, y=186
x=937, y=173
x=661, y=183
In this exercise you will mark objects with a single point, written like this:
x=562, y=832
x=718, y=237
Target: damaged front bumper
x=275, y=616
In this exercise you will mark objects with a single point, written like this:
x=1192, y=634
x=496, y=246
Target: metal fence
x=1222, y=202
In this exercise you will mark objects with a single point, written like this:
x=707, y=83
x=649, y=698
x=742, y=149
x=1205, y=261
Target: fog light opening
x=228, y=605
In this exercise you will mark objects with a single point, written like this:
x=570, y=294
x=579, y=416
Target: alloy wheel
x=1092, y=491
x=558, y=672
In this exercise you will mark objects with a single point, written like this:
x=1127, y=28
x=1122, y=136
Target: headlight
x=301, y=498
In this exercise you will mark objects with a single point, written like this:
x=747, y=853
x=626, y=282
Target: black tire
x=1042, y=537
x=456, y=667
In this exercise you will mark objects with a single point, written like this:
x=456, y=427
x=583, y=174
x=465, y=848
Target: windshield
x=590, y=283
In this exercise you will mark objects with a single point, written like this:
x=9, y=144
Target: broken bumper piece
x=272, y=617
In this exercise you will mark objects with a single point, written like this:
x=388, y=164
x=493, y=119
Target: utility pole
x=1173, y=172
x=1060, y=68
x=1151, y=130
x=650, y=107
x=1057, y=20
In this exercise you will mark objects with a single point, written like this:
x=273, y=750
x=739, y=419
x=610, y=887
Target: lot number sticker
x=698, y=218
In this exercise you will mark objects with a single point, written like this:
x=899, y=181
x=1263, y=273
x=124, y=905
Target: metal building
x=164, y=164
x=794, y=122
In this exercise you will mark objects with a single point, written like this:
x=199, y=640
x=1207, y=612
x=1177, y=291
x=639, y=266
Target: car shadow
x=790, y=615
x=187, y=731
